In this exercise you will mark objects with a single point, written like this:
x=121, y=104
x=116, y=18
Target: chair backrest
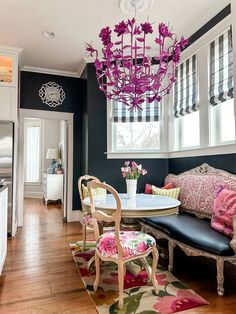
x=85, y=178
x=99, y=215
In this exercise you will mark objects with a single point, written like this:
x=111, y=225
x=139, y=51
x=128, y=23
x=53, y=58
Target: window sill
x=204, y=151
x=136, y=154
x=220, y=149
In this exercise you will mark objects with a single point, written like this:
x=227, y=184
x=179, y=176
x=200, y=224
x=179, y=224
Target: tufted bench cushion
x=194, y=232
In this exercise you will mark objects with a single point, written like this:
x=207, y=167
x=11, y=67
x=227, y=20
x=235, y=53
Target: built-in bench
x=191, y=229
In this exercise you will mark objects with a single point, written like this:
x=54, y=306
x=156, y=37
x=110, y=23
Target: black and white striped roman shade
x=221, y=69
x=186, y=88
x=149, y=113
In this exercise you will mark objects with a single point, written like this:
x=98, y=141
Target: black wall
x=29, y=99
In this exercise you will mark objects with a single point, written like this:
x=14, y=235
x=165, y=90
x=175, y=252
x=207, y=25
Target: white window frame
x=201, y=49
x=28, y=124
x=215, y=139
x=159, y=153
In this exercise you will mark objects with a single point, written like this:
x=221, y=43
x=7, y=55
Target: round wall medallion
x=130, y=7
x=52, y=94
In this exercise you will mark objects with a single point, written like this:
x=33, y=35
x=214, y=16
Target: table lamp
x=52, y=153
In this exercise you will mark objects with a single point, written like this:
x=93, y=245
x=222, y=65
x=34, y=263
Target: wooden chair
x=118, y=246
x=87, y=217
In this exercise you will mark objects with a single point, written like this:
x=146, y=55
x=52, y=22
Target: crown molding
x=81, y=67
x=10, y=50
x=27, y=68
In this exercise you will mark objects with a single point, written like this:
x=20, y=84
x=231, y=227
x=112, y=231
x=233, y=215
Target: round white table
x=143, y=206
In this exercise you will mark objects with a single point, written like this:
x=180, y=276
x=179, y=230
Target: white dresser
x=52, y=187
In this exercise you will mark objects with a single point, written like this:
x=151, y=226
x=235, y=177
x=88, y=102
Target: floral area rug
x=139, y=295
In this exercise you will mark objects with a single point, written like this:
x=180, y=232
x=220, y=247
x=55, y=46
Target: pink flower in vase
x=144, y=172
x=134, y=164
x=127, y=162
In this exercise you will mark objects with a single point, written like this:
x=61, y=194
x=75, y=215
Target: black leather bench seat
x=192, y=231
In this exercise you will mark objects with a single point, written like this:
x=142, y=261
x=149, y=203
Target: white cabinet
x=8, y=103
x=9, y=58
x=52, y=187
x=3, y=226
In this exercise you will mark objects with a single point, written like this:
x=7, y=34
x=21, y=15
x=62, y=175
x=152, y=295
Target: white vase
x=131, y=186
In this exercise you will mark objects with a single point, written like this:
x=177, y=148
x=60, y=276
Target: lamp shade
x=52, y=153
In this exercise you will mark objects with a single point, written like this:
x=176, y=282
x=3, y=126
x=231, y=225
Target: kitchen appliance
x=6, y=165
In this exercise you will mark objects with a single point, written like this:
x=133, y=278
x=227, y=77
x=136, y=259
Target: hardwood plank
x=40, y=275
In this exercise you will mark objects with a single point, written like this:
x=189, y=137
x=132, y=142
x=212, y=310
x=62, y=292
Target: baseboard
x=74, y=215
x=28, y=194
x=3, y=261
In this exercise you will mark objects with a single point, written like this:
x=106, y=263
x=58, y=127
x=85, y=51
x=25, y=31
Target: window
x=221, y=89
x=186, y=105
x=136, y=130
x=32, y=152
x=222, y=123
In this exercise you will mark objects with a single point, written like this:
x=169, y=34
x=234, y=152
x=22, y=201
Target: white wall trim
x=45, y=114
x=31, y=194
x=49, y=71
x=75, y=215
x=7, y=49
x=140, y=155
x=206, y=151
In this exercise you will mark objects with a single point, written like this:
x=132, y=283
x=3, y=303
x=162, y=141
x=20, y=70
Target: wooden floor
x=40, y=275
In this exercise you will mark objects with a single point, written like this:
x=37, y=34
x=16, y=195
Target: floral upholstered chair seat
x=133, y=243
x=87, y=219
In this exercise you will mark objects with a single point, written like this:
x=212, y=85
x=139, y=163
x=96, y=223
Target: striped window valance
x=149, y=113
x=221, y=69
x=186, y=88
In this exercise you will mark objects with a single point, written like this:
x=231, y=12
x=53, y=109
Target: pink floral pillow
x=197, y=192
x=223, y=212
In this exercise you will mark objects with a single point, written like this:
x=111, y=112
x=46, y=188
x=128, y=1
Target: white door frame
x=45, y=114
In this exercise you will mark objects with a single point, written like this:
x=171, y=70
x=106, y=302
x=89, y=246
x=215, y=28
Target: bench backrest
x=198, y=188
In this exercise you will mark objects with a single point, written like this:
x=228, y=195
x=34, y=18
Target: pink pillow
x=223, y=212
x=148, y=187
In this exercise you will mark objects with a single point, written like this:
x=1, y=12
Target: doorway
x=46, y=149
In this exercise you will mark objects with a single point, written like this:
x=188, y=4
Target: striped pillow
x=170, y=193
x=97, y=191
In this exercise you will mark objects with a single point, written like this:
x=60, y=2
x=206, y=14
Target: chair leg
x=121, y=283
x=147, y=267
x=220, y=276
x=97, y=265
x=84, y=237
x=155, y=257
x=100, y=230
x=171, y=247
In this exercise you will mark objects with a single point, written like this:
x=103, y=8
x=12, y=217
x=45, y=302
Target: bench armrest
x=233, y=241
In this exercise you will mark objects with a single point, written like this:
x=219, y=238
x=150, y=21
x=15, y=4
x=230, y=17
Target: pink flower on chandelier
x=125, y=71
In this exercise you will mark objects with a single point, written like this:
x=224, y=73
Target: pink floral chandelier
x=126, y=72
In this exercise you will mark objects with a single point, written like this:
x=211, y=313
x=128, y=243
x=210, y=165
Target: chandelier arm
x=123, y=77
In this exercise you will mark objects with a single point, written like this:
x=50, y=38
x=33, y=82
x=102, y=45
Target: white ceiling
x=78, y=21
